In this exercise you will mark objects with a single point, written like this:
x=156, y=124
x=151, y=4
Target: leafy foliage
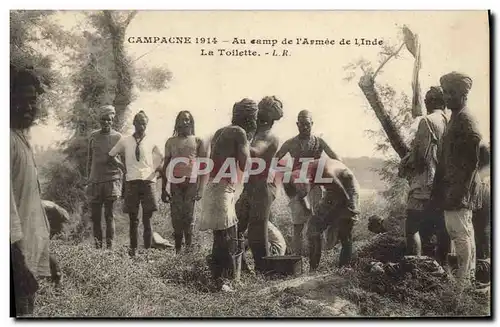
x=152, y=78
x=84, y=67
x=64, y=187
x=26, y=30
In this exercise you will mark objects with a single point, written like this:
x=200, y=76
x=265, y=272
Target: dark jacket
x=456, y=183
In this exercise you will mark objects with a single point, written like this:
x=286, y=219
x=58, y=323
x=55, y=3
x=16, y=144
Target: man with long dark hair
x=29, y=227
x=138, y=150
x=182, y=150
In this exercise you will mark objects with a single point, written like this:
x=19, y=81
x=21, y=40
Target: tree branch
x=130, y=16
x=387, y=59
x=110, y=21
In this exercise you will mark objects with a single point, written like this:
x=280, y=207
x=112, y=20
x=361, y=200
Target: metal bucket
x=284, y=265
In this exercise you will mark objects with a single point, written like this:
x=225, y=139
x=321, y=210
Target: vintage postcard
x=250, y=164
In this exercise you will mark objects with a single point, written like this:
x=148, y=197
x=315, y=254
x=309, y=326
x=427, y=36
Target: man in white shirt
x=138, y=150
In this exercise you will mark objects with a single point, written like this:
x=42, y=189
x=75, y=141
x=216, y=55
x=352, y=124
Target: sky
x=310, y=78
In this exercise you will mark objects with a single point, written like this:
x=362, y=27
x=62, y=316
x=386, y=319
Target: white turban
x=107, y=110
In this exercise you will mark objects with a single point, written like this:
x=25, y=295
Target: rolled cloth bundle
x=456, y=80
x=272, y=107
x=245, y=114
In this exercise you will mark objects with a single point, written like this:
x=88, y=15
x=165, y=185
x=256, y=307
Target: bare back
x=229, y=143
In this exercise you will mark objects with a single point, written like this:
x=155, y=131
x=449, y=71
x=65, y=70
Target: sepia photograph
x=250, y=164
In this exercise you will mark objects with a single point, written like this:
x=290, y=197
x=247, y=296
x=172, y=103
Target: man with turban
x=138, y=150
x=253, y=207
x=104, y=179
x=419, y=167
x=304, y=146
x=229, y=144
x=456, y=185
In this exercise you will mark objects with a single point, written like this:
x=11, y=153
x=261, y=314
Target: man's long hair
x=178, y=120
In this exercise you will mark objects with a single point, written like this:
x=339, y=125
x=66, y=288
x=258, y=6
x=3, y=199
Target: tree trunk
x=367, y=85
x=123, y=95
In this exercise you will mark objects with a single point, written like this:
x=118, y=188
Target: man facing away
x=303, y=146
x=456, y=185
x=338, y=209
x=104, y=178
x=419, y=167
x=182, y=150
x=138, y=150
x=229, y=149
x=29, y=227
x=253, y=207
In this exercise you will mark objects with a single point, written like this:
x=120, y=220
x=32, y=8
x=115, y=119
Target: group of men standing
x=442, y=167
x=248, y=136
x=445, y=187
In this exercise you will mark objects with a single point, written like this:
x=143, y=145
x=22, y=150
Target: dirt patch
x=320, y=292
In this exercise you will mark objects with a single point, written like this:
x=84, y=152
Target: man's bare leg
x=297, y=238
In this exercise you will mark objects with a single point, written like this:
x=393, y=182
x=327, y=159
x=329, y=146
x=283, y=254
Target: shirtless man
x=229, y=145
x=304, y=145
x=104, y=179
x=338, y=209
x=183, y=148
x=254, y=204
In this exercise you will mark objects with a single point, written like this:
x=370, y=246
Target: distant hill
x=364, y=170
x=362, y=167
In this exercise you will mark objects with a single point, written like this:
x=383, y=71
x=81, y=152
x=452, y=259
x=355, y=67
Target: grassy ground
x=158, y=283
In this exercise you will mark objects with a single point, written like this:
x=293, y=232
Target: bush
x=64, y=185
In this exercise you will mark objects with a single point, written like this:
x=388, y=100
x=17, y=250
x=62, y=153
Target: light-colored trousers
x=461, y=231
